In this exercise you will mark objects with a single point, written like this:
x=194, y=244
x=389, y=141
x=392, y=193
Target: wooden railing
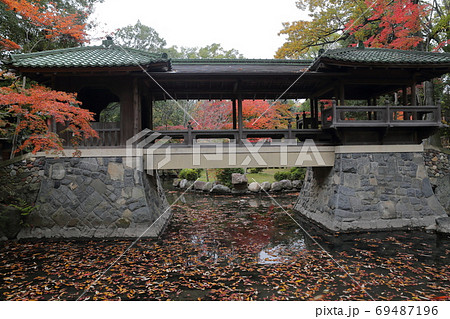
x=189, y=136
x=381, y=116
x=108, y=135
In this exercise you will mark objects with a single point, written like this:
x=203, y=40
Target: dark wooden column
x=341, y=94
x=316, y=113
x=150, y=111
x=234, y=114
x=413, y=94
x=404, y=96
x=413, y=99
x=311, y=109
x=240, y=120
x=125, y=93
x=136, y=108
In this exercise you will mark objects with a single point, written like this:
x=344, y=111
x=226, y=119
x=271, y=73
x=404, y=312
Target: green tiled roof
x=94, y=56
x=385, y=56
x=241, y=61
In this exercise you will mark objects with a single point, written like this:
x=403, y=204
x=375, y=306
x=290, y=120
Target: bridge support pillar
x=370, y=191
x=96, y=197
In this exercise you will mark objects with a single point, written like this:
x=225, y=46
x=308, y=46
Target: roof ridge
x=83, y=48
x=217, y=61
x=55, y=51
x=388, y=50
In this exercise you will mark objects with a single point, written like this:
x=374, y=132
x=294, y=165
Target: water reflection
x=252, y=223
x=241, y=231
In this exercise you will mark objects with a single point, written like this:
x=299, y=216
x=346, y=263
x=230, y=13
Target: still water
x=231, y=248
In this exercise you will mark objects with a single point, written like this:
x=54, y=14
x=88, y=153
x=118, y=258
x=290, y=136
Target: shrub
x=198, y=170
x=223, y=175
x=298, y=173
x=255, y=170
x=189, y=174
x=280, y=175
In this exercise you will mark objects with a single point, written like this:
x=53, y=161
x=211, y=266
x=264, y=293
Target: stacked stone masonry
x=96, y=197
x=370, y=191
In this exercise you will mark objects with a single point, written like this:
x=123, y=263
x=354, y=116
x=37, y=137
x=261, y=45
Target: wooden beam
x=150, y=107
x=341, y=93
x=413, y=94
x=404, y=96
x=240, y=120
x=136, y=108
x=234, y=114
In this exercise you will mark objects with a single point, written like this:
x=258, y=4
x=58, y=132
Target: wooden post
x=341, y=94
x=240, y=120
x=136, y=108
x=150, y=109
x=404, y=96
x=234, y=114
x=316, y=113
x=311, y=108
x=413, y=99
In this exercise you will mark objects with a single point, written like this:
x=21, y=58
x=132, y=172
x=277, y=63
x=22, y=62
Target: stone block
x=58, y=171
x=115, y=171
x=199, y=185
x=254, y=187
x=265, y=186
x=122, y=223
x=286, y=184
x=387, y=209
x=137, y=193
x=297, y=184
x=183, y=183
x=443, y=225
x=61, y=217
x=349, y=166
x=276, y=187
x=142, y=215
x=208, y=187
x=91, y=202
x=220, y=189
x=176, y=182
x=237, y=178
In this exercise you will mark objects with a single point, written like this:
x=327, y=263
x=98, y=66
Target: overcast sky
x=249, y=26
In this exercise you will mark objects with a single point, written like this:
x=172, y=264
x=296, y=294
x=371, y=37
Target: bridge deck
x=337, y=125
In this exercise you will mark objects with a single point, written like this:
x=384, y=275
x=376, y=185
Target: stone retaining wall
x=92, y=197
x=21, y=180
x=438, y=168
x=370, y=191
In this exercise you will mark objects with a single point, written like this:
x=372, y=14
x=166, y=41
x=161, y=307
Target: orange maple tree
x=257, y=114
x=54, y=22
x=35, y=108
x=27, y=111
x=393, y=24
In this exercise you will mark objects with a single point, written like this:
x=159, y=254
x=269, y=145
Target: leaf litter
x=231, y=248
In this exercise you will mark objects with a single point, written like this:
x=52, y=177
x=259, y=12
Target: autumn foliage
x=392, y=24
x=28, y=112
x=54, y=22
x=257, y=114
x=35, y=108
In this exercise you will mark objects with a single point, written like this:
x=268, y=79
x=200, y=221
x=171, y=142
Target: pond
x=231, y=248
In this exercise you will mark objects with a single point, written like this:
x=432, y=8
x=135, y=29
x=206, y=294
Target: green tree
x=141, y=37
x=211, y=51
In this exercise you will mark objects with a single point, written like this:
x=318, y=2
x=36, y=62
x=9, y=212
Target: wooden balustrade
x=381, y=116
x=108, y=135
x=332, y=118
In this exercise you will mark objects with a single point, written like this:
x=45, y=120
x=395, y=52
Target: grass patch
x=265, y=176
